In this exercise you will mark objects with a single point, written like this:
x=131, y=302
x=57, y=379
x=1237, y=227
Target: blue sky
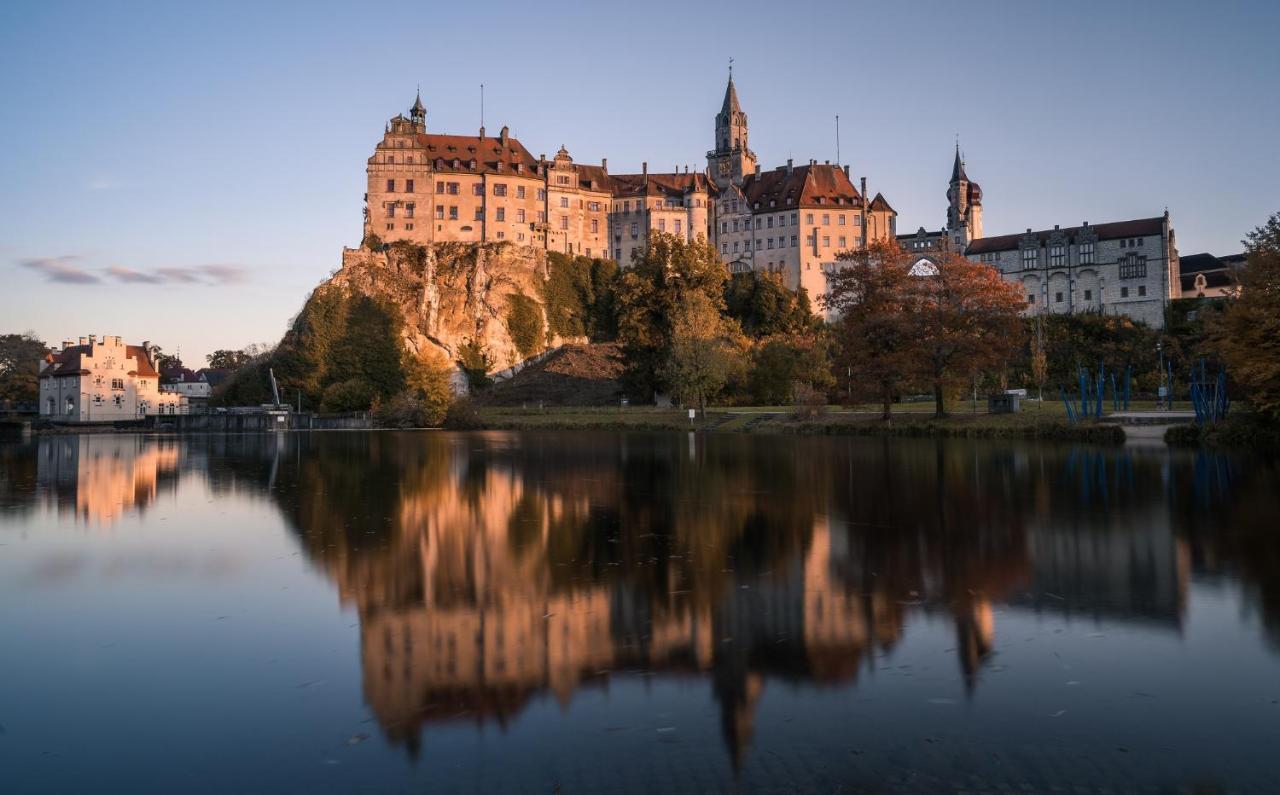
x=187, y=174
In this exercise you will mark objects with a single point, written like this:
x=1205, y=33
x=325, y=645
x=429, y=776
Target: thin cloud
x=130, y=276
x=62, y=270
x=102, y=183
x=201, y=274
x=67, y=270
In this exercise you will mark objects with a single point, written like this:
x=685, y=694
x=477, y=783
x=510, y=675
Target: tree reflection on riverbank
x=489, y=568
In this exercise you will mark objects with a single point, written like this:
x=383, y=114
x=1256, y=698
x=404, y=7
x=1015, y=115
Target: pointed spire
x=730, y=105
x=957, y=170
x=419, y=111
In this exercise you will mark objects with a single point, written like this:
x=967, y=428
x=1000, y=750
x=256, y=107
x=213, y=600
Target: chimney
x=505, y=135
x=84, y=340
x=826, y=162
x=1086, y=223
x=644, y=171
x=67, y=344
x=790, y=166
x=481, y=130
x=864, y=190
x=604, y=164
x=686, y=168
x=93, y=339
x=1055, y=228
x=846, y=171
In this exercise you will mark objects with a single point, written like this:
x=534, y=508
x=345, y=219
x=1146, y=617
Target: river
x=600, y=612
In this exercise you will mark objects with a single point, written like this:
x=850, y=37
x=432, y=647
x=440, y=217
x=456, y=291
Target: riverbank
x=783, y=420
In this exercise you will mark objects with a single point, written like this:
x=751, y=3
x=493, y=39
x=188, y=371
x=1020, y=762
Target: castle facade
x=793, y=220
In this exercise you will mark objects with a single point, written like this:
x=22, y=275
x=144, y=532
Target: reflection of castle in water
x=488, y=572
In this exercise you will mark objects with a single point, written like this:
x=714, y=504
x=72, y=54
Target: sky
x=187, y=173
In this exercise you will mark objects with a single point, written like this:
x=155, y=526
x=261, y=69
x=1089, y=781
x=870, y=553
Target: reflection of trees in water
x=1228, y=508
x=490, y=568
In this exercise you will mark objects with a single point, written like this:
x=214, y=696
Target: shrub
x=353, y=394
x=524, y=322
x=462, y=416
x=476, y=363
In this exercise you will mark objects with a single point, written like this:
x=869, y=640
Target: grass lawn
x=909, y=419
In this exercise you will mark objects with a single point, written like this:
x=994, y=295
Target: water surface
x=501, y=612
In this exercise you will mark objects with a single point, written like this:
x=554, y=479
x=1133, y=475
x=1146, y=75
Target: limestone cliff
x=451, y=293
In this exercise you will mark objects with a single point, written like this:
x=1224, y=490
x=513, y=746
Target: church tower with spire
x=731, y=160
x=964, y=206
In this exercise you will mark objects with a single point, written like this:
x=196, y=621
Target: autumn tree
x=663, y=277
x=785, y=362
x=967, y=320
x=1247, y=334
x=20, y=356
x=877, y=333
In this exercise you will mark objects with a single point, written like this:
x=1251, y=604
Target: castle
x=792, y=220
x=430, y=187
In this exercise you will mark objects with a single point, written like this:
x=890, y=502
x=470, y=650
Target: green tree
x=1247, y=334
x=782, y=363
x=476, y=364
x=20, y=356
x=661, y=278
x=228, y=359
x=578, y=295
x=763, y=306
x=877, y=334
x=701, y=358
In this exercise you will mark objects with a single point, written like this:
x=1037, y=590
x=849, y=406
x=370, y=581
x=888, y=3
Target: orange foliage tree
x=967, y=319
x=875, y=295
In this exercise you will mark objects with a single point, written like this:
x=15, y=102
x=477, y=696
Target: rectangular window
x=479, y=214
x=678, y=226
x=1031, y=299
x=1057, y=298
x=408, y=186
x=1088, y=295
x=477, y=189
x=408, y=210
x=1133, y=266
x=840, y=219
x=501, y=214
x=542, y=216
x=440, y=211
x=595, y=226
x=769, y=243
x=520, y=216
x=842, y=243
x=826, y=241
x=808, y=218
x=1057, y=256
x=564, y=201
x=769, y=223
x=519, y=191
x=826, y=219
x=735, y=247
x=542, y=194
x=117, y=383
x=391, y=210
x=1142, y=289
x=793, y=241
x=499, y=189
x=635, y=230
x=391, y=186
x=564, y=222
x=453, y=213
x=1029, y=258
x=1086, y=253
x=1124, y=292
x=440, y=186
x=794, y=216
x=662, y=224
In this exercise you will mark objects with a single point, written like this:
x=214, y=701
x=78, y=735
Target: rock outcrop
x=450, y=293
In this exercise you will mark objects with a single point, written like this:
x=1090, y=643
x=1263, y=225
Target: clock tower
x=731, y=160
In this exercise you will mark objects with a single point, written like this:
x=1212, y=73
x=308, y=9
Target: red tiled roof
x=1142, y=227
x=671, y=185
x=488, y=152
x=594, y=178
x=802, y=185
